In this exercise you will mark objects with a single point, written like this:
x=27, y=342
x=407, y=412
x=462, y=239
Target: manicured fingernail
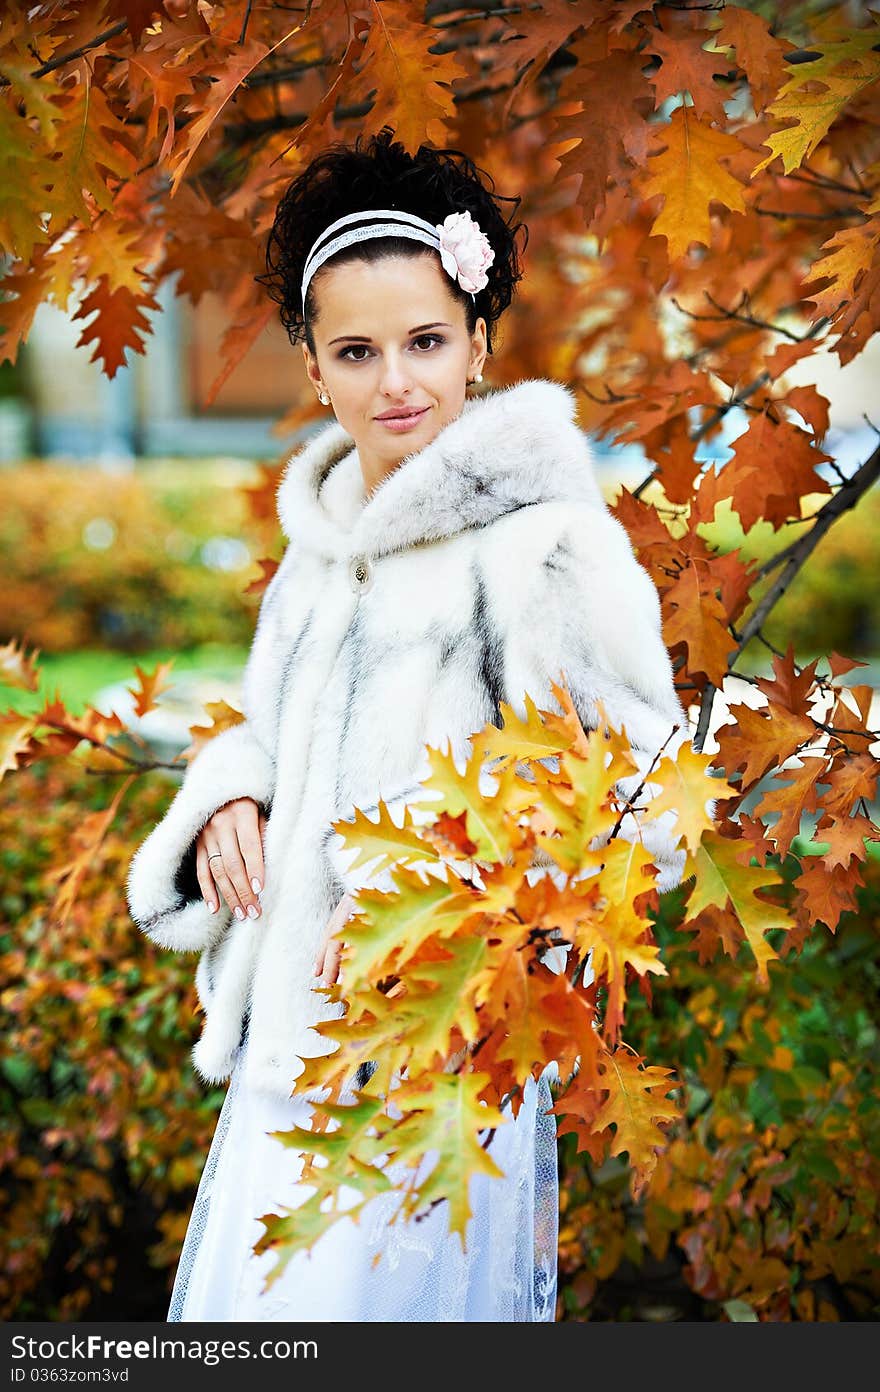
x=212, y=907
x=255, y=885
x=239, y=911
x=252, y=911
x=314, y=969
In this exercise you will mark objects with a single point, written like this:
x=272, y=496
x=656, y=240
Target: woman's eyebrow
x=361, y=338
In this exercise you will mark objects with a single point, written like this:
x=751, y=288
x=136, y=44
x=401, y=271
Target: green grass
x=78, y=677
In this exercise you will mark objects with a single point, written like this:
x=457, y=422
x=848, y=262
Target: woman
x=445, y=555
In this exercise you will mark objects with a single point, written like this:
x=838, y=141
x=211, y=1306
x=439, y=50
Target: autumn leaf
x=688, y=787
x=841, y=71
x=722, y=879
x=87, y=837
x=773, y=464
x=697, y=623
x=222, y=717
x=19, y=670
x=438, y=1003
x=411, y=85
x=686, y=66
x=847, y=256
x=394, y=925
x=16, y=733
x=756, y=741
x=531, y=738
x=120, y=323
x=619, y=940
x=149, y=687
x=445, y=1114
x=486, y=817
x=91, y=150
x=688, y=173
x=637, y=1106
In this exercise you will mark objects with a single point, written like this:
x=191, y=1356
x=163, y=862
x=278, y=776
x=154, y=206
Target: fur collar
x=512, y=446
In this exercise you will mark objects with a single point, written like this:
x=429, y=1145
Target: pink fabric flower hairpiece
x=464, y=250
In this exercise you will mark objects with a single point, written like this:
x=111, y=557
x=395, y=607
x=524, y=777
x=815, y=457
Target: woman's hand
x=329, y=953
x=229, y=857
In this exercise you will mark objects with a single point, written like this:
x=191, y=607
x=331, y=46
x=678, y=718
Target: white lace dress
x=507, y=1272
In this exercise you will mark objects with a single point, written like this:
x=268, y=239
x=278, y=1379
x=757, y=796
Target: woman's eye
x=422, y=338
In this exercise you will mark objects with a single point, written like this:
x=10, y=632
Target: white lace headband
x=464, y=248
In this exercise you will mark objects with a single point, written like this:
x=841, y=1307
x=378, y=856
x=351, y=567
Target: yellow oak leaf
x=842, y=70
x=723, y=880
x=689, y=174
x=444, y=1112
x=637, y=1102
x=687, y=786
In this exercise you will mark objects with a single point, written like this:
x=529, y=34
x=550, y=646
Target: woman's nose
x=395, y=378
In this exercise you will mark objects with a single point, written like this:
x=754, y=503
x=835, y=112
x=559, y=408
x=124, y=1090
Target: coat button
x=360, y=573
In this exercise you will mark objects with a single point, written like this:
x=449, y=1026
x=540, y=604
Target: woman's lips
x=399, y=423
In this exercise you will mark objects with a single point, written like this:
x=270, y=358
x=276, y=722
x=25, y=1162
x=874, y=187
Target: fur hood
x=459, y=480
x=481, y=568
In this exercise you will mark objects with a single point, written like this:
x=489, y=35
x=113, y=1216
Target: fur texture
x=490, y=565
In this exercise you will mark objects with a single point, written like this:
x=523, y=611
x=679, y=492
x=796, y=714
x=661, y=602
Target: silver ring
x=216, y=856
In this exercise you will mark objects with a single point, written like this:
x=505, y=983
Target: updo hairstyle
x=380, y=173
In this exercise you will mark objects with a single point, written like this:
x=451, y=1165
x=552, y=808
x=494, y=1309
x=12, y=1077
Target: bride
x=446, y=553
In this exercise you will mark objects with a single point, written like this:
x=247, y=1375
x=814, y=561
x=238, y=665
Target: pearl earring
x=324, y=399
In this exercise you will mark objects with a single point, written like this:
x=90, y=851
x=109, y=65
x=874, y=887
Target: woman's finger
x=229, y=871
x=331, y=962
x=247, y=826
x=210, y=893
x=242, y=899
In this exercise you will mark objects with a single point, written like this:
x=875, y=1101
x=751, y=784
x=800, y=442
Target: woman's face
x=390, y=334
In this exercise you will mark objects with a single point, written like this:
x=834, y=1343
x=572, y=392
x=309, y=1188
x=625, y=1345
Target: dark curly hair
x=382, y=174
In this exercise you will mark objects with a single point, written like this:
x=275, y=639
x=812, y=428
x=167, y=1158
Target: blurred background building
x=56, y=404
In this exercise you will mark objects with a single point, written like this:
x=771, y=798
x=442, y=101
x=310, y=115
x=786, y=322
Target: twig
x=789, y=561
x=63, y=58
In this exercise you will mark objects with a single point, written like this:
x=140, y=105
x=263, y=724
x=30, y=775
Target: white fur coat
x=484, y=565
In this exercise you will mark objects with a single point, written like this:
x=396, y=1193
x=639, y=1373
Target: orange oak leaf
x=686, y=66
x=149, y=686
x=16, y=733
x=758, y=51
x=222, y=717
x=615, y=103
x=714, y=928
x=689, y=175
x=723, y=881
x=758, y=740
x=791, y=793
x=828, y=891
x=578, y=1108
x=119, y=323
x=846, y=837
x=773, y=465
x=637, y=1106
x=853, y=776
x=697, y=623
x=239, y=61
x=412, y=87
x=18, y=669
x=817, y=92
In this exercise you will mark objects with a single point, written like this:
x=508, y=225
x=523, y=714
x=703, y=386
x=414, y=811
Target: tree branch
x=790, y=560
x=63, y=58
